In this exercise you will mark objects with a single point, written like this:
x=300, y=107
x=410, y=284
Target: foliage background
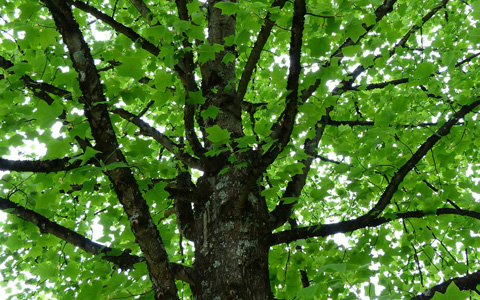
x=380, y=88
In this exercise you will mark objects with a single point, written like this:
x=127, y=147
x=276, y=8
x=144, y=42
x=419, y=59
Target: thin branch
x=372, y=123
x=283, y=211
x=466, y=60
x=254, y=56
x=186, y=70
x=39, y=89
x=40, y=166
x=465, y=283
x=379, y=85
x=127, y=31
x=123, y=259
x=144, y=10
x=171, y=146
x=419, y=154
x=346, y=84
x=324, y=230
x=282, y=129
x=380, y=12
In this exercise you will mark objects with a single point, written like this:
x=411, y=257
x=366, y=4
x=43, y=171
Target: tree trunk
x=231, y=256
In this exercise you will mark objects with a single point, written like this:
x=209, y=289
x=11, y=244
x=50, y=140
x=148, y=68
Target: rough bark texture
x=218, y=83
x=231, y=260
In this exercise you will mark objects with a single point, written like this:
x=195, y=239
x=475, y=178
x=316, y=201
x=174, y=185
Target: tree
x=217, y=148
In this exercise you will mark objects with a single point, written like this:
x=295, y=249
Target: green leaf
x=8, y=44
x=210, y=112
x=452, y=292
x=476, y=9
x=89, y=153
x=28, y=9
x=307, y=293
x=163, y=79
x=21, y=68
x=423, y=71
x=229, y=57
x=131, y=67
x=385, y=117
x=48, y=114
x=228, y=8
x=196, y=98
x=224, y=170
x=57, y=148
x=318, y=46
x=262, y=127
x=355, y=30
x=207, y=52
x=218, y=135
x=351, y=50
x=196, y=32
x=289, y=200
x=115, y=165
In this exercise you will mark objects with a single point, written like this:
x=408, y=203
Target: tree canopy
x=240, y=149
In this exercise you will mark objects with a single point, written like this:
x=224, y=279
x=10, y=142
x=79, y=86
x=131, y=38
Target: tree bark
x=231, y=254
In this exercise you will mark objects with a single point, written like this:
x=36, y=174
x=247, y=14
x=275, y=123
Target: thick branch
x=125, y=185
x=256, y=51
x=181, y=68
x=298, y=233
x=183, y=209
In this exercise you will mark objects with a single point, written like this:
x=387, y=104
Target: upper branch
x=417, y=156
x=380, y=13
x=346, y=84
x=39, y=89
x=282, y=129
x=256, y=51
x=283, y=211
x=148, y=130
x=185, y=68
x=127, y=31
